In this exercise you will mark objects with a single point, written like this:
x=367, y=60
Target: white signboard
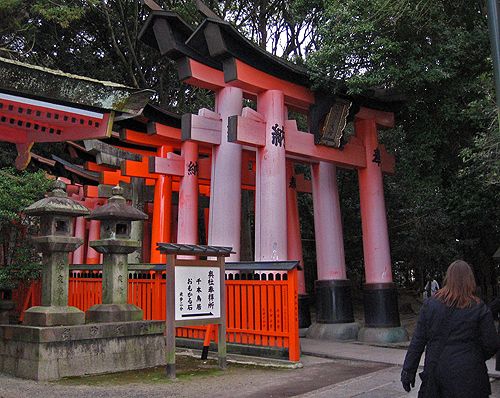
x=197, y=293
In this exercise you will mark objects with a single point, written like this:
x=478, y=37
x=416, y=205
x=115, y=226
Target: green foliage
x=61, y=14
x=399, y=43
x=9, y=5
x=18, y=189
x=25, y=266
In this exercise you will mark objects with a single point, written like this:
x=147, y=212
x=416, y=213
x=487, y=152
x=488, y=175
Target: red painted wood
x=21, y=122
x=254, y=81
x=204, y=76
x=384, y=119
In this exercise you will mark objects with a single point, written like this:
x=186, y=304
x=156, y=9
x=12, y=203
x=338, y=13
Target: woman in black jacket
x=457, y=331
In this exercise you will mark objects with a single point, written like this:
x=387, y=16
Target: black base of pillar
x=381, y=305
x=334, y=301
x=304, y=311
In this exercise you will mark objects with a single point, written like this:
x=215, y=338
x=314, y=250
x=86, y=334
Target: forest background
x=442, y=203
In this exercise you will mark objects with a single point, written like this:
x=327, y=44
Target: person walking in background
x=495, y=310
x=431, y=288
x=457, y=331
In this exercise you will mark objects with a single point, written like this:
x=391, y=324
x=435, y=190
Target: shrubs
x=18, y=259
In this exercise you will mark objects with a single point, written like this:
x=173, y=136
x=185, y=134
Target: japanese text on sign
x=197, y=293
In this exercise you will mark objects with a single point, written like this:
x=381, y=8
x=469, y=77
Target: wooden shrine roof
x=53, y=85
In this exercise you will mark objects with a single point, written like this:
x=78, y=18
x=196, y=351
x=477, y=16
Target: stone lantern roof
x=57, y=203
x=117, y=209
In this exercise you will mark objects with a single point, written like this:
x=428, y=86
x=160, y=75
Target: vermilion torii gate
x=217, y=57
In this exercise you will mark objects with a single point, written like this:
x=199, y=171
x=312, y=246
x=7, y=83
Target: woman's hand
x=407, y=380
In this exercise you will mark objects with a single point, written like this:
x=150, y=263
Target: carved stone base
x=100, y=313
x=334, y=331
x=5, y=307
x=53, y=316
x=50, y=353
x=383, y=335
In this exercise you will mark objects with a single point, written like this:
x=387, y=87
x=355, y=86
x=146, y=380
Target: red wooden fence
x=262, y=310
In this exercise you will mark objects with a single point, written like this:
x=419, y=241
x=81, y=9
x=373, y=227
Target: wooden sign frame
x=171, y=323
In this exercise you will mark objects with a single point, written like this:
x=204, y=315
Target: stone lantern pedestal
x=115, y=244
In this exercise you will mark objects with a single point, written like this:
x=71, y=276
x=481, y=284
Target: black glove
x=407, y=380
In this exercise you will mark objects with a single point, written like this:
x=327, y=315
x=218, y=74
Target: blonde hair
x=459, y=286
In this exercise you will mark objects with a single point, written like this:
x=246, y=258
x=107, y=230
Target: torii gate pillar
x=294, y=246
x=187, y=227
x=224, y=226
x=334, y=310
x=270, y=185
x=380, y=297
x=162, y=211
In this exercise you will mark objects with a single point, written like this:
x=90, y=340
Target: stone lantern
x=115, y=243
x=55, y=241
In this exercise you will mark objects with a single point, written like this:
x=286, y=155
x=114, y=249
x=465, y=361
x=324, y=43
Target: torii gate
x=217, y=57
x=133, y=164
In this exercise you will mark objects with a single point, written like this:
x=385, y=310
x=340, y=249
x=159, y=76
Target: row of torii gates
x=218, y=153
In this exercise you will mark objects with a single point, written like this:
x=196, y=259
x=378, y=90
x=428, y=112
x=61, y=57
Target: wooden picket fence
x=261, y=307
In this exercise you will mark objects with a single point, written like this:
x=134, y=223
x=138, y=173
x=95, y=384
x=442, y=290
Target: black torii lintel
x=167, y=32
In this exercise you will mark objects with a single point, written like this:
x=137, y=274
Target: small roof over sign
x=194, y=250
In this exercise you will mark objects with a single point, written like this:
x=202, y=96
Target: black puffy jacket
x=460, y=370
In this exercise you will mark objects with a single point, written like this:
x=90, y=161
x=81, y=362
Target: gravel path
x=237, y=381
